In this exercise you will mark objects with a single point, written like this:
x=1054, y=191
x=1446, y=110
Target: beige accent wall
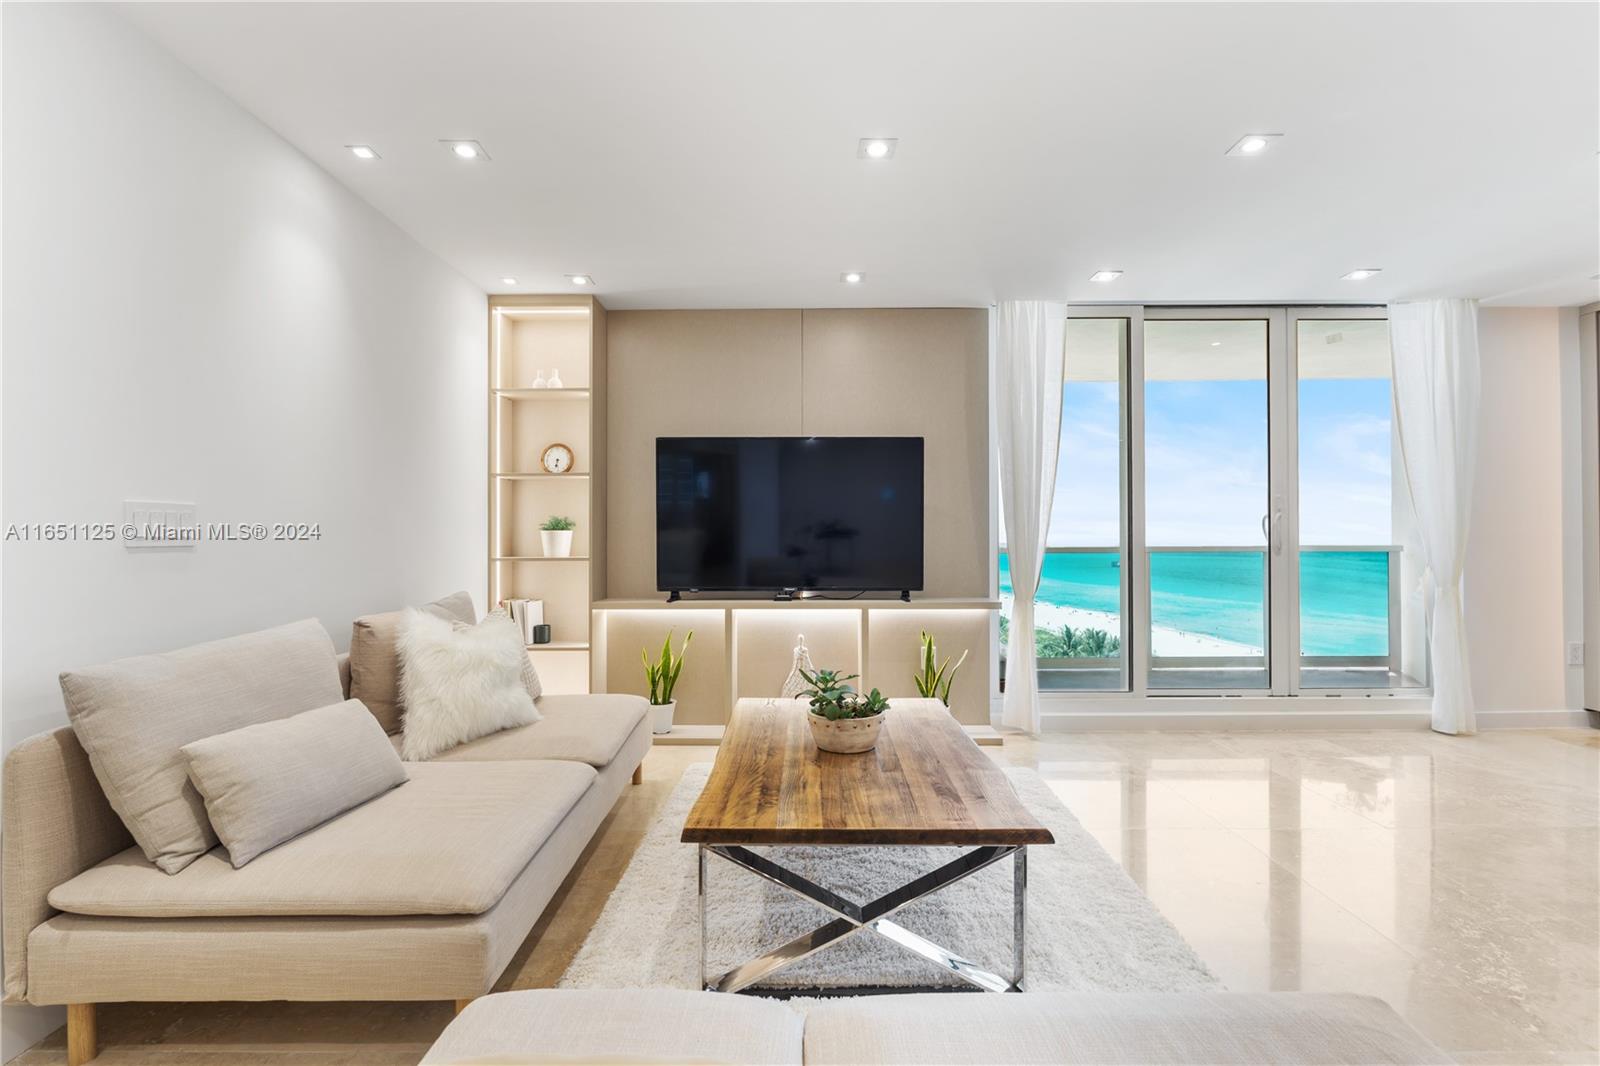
x=871, y=372
x=1515, y=570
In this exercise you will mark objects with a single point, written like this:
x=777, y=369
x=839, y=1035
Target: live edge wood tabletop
x=926, y=783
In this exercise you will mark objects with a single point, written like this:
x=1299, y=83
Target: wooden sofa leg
x=461, y=1004
x=638, y=774
x=82, y=1044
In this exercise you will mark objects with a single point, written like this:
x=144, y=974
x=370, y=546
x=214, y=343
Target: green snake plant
x=663, y=674
x=935, y=678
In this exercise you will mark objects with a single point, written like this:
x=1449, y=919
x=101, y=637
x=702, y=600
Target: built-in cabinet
x=745, y=648
x=547, y=386
x=916, y=372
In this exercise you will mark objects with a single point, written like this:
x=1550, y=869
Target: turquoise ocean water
x=1344, y=595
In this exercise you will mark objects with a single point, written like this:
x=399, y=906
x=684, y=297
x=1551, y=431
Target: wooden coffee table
x=925, y=784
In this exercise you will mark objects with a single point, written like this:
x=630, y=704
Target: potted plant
x=935, y=678
x=556, y=534
x=842, y=719
x=663, y=677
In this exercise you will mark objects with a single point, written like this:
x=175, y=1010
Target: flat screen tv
x=769, y=514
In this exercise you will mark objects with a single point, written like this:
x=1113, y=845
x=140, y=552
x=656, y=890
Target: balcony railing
x=1237, y=575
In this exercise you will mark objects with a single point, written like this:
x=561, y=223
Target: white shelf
x=541, y=558
x=861, y=603
x=540, y=476
x=561, y=645
x=543, y=394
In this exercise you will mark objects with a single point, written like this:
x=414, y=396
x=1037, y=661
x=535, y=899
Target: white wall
x=194, y=311
x=1520, y=557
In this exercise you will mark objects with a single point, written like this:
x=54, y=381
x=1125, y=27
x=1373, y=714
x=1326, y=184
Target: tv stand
x=905, y=595
x=674, y=596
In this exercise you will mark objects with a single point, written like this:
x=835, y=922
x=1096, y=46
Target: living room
x=563, y=532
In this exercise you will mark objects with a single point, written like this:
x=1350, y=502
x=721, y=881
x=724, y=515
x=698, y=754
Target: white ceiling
x=705, y=155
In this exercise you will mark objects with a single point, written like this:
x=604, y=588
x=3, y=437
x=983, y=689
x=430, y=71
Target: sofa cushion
x=460, y=682
x=1102, y=1027
x=272, y=781
x=449, y=842
x=638, y=1025
x=375, y=660
x=585, y=728
x=134, y=714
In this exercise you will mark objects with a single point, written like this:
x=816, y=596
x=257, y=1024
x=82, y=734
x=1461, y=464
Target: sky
x=1206, y=463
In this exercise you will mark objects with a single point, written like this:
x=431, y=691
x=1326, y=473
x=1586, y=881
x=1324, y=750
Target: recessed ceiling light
x=1105, y=275
x=1253, y=143
x=852, y=277
x=362, y=151
x=508, y=281
x=1216, y=344
x=467, y=151
x=580, y=279
x=1363, y=274
x=877, y=147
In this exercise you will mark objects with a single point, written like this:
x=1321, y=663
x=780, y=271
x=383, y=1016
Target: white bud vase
x=555, y=380
x=538, y=380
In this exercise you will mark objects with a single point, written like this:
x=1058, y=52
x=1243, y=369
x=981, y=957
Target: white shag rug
x=1089, y=926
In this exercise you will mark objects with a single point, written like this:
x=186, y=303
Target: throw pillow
x=268, y=783
x=375, y=664
x=132, y=716
x=459, y=684
x=530, y=675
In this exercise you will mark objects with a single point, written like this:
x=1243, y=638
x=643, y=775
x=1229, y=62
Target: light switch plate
x=159, y=525
x=1575, y=653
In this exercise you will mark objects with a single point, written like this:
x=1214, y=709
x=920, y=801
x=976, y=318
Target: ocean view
x=1212, y=602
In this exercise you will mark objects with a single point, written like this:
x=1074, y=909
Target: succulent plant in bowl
x=842, y=719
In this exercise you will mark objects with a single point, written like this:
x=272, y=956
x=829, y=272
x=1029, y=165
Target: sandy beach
x=1164, y=642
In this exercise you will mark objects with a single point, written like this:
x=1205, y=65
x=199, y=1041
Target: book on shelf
x=526, y=614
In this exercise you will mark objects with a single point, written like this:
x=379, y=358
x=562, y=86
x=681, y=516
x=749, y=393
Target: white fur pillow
x=458, y=682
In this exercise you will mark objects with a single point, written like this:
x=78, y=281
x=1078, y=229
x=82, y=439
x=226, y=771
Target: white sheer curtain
x=1029, y=339
x=1434, y=346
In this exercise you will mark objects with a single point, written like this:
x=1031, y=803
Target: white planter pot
x=847, y=736
x=557, y=542
x=661, y=716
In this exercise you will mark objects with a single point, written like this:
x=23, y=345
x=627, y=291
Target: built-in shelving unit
x=566, y=334
x=744, y=648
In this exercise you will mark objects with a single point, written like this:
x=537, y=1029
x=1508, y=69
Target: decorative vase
x=557, y=542
x=661, y=717
x=555, y=380
x=538, y=380
x=847, y=736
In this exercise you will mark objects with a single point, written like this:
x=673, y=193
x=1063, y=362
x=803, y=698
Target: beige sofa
x=422, y=893
x=662, y=1025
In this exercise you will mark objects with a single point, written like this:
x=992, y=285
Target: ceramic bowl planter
x=846, y=736
x=661, y=717
x=557, y=542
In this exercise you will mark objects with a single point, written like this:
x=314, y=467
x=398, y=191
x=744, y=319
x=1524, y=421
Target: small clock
x=557, y=459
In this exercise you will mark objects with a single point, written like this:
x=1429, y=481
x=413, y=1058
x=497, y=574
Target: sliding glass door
x=1211, y=520
x=1230, y=514
x=1354, y=626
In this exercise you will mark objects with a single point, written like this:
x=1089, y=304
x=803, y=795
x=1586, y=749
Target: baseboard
x=1198, y=721
x=1304, y=716
x=1537, y=719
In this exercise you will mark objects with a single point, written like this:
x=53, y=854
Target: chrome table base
x=851, y=918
